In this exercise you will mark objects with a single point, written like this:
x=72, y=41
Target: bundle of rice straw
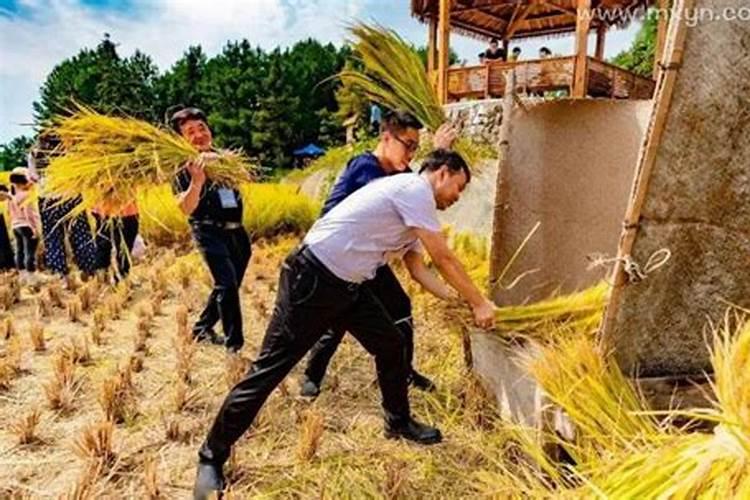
x=107, y=159
x=580, y=310
x=395, y=77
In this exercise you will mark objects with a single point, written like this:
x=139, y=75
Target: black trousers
x=117, y=232
x=386, y=287
x=7, y=257
x=26, y=244
x=310, y=300
x=227, y=253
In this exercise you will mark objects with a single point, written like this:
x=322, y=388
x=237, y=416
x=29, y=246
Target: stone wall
x=477, y=119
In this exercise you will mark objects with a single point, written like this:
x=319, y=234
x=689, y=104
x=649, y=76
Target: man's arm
x=454, y=273
x=188, y=200
x=422, y=275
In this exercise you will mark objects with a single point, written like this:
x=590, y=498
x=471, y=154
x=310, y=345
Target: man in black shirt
x=494, y=52
x=215, y=216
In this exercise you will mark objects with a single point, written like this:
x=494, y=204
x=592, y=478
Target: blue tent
x=310, y=150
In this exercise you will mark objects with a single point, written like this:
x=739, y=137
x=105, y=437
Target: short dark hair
x=494, y=40
x=517, y=49
x=450, y=159
x=186, y=114
x=4, y=188
x=398, y=121
x=545, y=50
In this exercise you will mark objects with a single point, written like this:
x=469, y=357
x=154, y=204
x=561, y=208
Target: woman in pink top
x=24, y=219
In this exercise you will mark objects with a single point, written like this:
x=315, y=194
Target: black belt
x=217, y=224
x=305, y=251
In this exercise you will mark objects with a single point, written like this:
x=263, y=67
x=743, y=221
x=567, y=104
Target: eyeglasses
x=410, y=146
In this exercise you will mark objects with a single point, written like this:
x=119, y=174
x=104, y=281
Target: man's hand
x=484, y=314
x=444, y=136
x=197, y=172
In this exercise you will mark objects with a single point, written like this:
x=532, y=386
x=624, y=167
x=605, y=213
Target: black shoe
x=209, y=337
x=309, y=389
x=421, y=382
x=413, y=431
x=209, y=481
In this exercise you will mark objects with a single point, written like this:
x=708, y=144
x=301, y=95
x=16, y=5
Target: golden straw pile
x=107, y=159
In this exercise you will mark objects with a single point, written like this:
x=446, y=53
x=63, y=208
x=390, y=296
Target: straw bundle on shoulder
x=107, y=159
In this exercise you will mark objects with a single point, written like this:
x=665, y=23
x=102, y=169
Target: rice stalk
x=25, y=427
x=61, y=390
x=74, y=309
x=310, y=434
x=95, y=444
x=609, y=415
x=10, y=362
x=36, y=334
x=151, y=486
x=7, y=328
x=580, y=311
x=395, y=77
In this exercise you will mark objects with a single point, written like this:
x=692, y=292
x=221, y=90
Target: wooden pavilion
x=580, y=74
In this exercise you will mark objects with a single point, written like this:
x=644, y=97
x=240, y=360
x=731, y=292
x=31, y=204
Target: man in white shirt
x=321, y=286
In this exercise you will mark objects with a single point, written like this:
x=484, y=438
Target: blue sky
x=37, y=34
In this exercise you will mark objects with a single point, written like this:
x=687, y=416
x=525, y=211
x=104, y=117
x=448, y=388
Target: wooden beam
x=558, y=8
x=444, y=28
x=432, y=45
x=458, y=9
x=502, y=21
x=601, y=34
x=512, y=28
x=580, y=73
x=661, y=36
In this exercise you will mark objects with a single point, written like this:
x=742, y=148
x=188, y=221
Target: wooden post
x=432, y=45
x=506, y=46
x=601, y=34
x=661, y=36
x=444, y=27
x=502, y=186
x=580, y=73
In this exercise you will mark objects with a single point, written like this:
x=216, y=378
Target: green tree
x=13, y=154
x=274, y=136
x=422, y=53
x=639, y=58
x=181, y=85
x=99, y=78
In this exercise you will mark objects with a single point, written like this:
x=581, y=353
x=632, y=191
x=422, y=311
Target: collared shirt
x=372, y=224
x=216, y=203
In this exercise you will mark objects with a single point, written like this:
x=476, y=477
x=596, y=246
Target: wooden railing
x=608, y=80
x=537, y=76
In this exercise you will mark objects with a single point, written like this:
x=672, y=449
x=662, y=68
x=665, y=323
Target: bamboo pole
x=580, y=74
x=444, y=49
x=646, y=160
x=501, y=183
x=661, y=36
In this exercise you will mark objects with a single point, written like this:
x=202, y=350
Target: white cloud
x=52, y=30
